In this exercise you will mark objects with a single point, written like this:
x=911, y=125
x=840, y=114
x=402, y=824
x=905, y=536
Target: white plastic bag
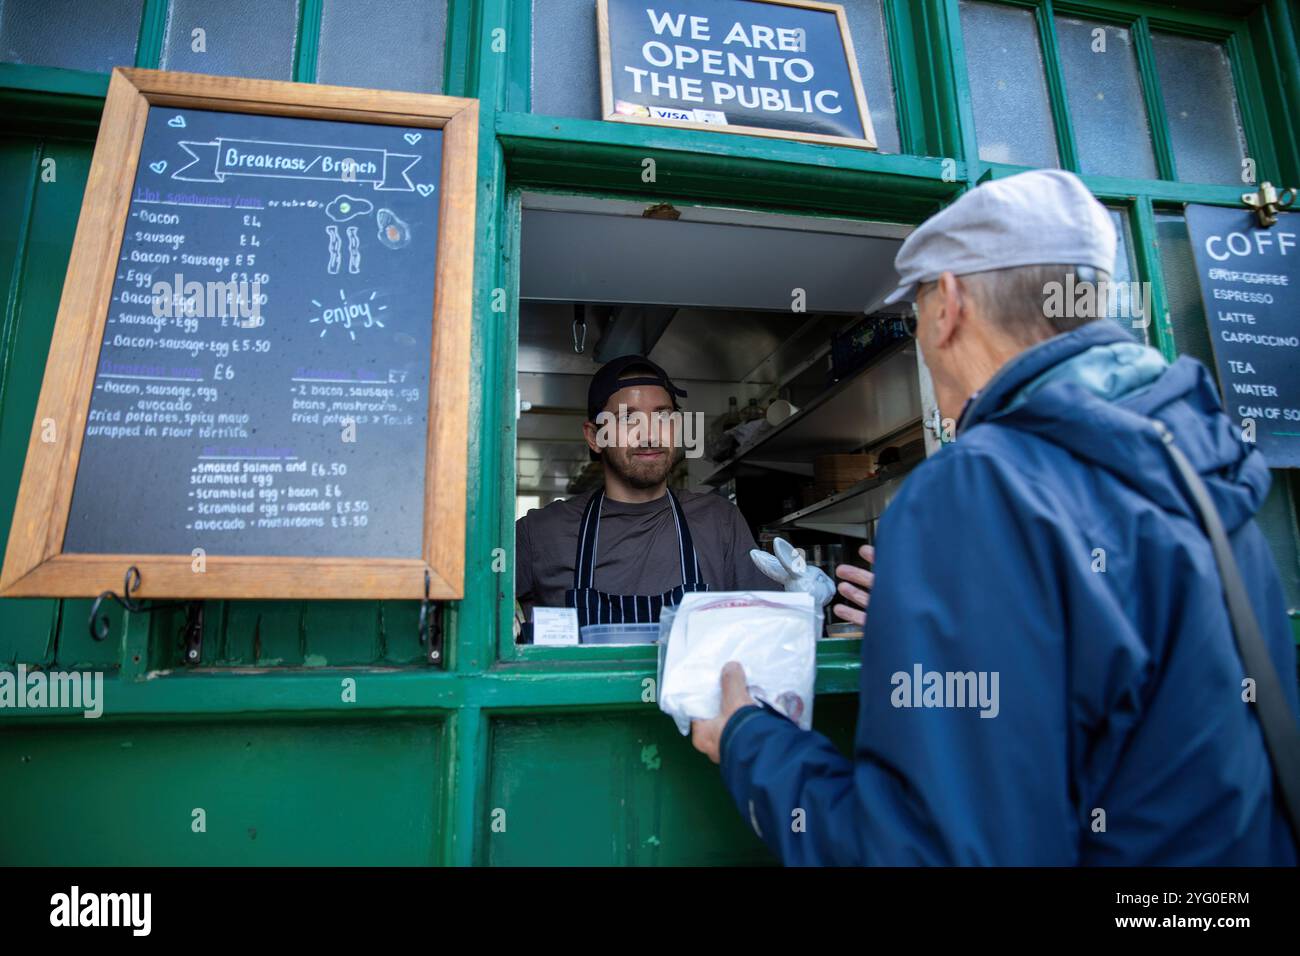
x=771, y=633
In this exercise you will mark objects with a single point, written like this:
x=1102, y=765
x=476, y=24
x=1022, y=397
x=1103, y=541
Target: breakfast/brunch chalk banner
x=764, y=67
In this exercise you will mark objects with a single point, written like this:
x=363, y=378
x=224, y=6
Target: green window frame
x=1142, y=19
x=1144, y=197
x=65, y=84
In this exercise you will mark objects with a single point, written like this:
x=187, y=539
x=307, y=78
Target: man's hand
x=707, y=734
x=855, y=585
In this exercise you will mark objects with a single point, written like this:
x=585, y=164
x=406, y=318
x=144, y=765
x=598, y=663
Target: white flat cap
x=1042, y=217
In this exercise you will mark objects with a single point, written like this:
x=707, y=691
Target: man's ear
x=951, y=308
x=589, y=431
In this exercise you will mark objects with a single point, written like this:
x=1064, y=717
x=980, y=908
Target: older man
x=1050, y=672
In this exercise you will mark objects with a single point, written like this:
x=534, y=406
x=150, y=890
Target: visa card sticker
x=672, y=113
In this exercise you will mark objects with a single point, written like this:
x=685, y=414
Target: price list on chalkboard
x=263, y=382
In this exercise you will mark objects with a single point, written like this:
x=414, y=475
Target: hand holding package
x=773, y=636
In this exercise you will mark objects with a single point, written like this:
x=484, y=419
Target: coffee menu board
x=1250, y=281
x=280, y=341
x=782, y=68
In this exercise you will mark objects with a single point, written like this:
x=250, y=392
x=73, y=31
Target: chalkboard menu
x=767, y=67
x=258, y=380
x=290, y=417
x=1250, y=281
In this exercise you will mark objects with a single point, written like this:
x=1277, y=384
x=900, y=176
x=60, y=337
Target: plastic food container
x=619, y=634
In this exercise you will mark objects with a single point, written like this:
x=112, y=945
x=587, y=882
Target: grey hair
x=1014, y=299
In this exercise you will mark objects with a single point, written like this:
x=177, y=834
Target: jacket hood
x=1094, y=391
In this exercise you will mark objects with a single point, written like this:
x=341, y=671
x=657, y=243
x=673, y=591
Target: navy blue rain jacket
x=1118, y=732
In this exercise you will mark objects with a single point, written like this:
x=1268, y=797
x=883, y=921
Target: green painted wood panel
x=610, y=789
x=285, y=793
x=40, y=217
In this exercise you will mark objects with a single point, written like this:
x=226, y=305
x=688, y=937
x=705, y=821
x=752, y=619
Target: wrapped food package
x=772, y=634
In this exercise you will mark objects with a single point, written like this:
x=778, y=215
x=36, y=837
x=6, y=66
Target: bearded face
x=639, y=440
x=641, y=467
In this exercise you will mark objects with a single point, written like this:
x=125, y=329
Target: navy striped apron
x=599, y=607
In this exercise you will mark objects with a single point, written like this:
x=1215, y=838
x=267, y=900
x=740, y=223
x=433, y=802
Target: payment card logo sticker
x=677, y=114
x=624, y=108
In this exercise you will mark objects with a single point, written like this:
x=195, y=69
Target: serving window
x=806, y=394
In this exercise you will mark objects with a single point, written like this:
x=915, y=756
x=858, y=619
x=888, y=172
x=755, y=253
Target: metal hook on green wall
x=193, y=630
x=99, y=626
x=579, y=329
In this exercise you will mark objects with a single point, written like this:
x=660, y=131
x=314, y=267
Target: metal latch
x=431, y=626
x=1268, y=202
x=934, y=424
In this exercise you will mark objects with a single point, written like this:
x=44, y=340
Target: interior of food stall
x=809, y=388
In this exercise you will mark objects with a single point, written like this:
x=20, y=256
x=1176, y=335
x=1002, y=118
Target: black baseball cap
x=608, y=380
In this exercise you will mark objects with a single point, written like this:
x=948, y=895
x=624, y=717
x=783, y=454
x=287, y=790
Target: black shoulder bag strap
x=1281, y=733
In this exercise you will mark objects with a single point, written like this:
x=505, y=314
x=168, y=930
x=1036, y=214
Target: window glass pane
x=237, y=38
x=1125, y=308
x=70, y=33
x=1201, y=106
x=1183, y=289
x=566, y=65
x=1105, y=98
x=871, y=48
x=1013, y=118
x=397, y=45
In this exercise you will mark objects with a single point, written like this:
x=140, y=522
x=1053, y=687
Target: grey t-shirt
x=637, y=552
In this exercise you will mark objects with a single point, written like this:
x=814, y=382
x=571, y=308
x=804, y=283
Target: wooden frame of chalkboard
x=868, y=141
x=35, y=564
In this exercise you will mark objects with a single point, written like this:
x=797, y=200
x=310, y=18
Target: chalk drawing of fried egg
x=392, y=231
x=347, y=207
